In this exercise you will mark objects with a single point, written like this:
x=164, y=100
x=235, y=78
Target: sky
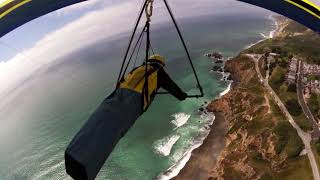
x=16, y=41
x=72, y=28
x=67, y=30
x=317, y=2
x=97, y=11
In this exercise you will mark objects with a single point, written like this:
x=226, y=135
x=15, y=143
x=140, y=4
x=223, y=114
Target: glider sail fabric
x=303, y=11
x=14, y=13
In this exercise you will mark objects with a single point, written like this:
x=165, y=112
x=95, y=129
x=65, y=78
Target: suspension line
x=130, y=42
x=185, y=47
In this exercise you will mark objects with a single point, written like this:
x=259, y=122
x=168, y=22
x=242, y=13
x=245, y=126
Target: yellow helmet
x=157, y=58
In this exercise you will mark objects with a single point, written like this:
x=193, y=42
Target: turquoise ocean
x=40, y=117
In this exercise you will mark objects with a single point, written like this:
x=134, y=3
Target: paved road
x=306, y=138
x=302, y=101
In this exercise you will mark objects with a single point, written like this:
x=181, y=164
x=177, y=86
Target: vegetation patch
x=232, y=174
x=304, y=123
x=288, y=141
x=298, y=168
x=238, y=123
x=314, y=105
x=265, y=127
x=256, y=160
x=277, y=77
x=317, y=147
x=267, y=176
x=313, y=77
x=292, y=88
x=293, y=107
x=307, y=48
x=282, y=137
x=294, y=27
x=288, y=95
x=254, y=126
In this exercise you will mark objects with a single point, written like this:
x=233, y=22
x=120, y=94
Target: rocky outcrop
x=259, y=143
x=243, y=110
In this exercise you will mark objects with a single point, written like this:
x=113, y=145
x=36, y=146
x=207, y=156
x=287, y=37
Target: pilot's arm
x=165, y=82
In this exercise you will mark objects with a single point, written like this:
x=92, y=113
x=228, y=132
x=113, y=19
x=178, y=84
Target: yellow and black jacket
x=92, y=145
x=157, y=78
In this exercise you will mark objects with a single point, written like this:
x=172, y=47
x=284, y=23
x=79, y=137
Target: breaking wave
x=265, y=36
x=164, y=146
x=181, y=158
x=250, y=45
x=269, y=36
x=276, y=25
x=180, y=119
x=225, y=91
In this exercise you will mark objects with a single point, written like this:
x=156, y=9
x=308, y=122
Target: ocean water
x=39, y=118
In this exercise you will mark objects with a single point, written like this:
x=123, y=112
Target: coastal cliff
x=259, y=143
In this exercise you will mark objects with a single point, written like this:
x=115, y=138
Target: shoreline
x=273, y=33
x=204, y=158
x=175, y=169
x=200, y=163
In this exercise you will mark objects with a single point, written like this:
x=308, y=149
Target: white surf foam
x=250, y=45
x=265, y=36
x=183, y=157
x=180, y=119
x=226, y=91
x=271, y=33
x=164, y=146
x=181, y=160
x=225, y=76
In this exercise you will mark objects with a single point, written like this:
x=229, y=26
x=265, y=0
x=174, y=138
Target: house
x=314, y=86
x=311, y=69
x=274, y=54
x=292, y=71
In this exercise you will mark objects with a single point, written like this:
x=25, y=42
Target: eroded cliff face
x=252, y=150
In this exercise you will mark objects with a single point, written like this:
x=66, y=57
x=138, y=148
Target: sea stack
x=215, y=55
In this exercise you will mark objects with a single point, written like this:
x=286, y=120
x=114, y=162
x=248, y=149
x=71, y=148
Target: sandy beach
x=204, y=158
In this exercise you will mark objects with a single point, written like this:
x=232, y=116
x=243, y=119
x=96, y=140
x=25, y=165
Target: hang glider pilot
x=92, y=145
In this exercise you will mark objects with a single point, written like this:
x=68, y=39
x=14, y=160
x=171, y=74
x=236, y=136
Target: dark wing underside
x=303, y=11
x=14, y=13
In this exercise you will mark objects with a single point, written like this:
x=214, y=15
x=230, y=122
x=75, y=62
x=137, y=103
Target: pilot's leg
x=95, y=141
